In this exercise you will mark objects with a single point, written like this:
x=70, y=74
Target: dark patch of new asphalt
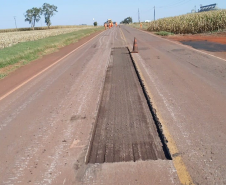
x=206, y=45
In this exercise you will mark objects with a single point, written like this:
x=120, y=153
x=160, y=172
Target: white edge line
x=10, y=92
x=182, y=45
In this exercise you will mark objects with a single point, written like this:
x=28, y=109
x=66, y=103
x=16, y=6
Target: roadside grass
x=220, y=31
x=163, y=33
x=23, y=53
x=145, y=25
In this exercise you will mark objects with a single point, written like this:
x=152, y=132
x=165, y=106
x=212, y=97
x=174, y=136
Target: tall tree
x=33, y=15
x=127, y=20
x=48, y=11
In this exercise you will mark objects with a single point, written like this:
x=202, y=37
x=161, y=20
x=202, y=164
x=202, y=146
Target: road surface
x=47, y=123
x=125, y=129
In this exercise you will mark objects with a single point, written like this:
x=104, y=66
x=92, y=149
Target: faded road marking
x=183, y=174
x=124, y=38
x=183, y=45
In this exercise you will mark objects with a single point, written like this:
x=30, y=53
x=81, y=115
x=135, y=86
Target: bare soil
x=213, y=43
x=214, y=37
x=189, y=93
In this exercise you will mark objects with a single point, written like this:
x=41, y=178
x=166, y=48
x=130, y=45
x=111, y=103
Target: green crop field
x=191, y=23
x=22, y=53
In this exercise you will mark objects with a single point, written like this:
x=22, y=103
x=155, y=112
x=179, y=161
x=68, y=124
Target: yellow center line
x=124, y=38
x=182, y=172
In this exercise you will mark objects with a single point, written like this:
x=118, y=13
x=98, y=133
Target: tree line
x=33, y=15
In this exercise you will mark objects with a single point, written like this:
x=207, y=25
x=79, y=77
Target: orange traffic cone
x=135, y=47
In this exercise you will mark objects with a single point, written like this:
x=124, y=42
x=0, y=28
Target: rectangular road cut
x=125, y=129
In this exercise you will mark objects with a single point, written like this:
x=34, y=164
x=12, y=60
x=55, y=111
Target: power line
x=15, y=21
x=172, y=4
x=179, y=4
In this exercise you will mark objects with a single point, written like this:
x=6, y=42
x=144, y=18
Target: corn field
x=191, y=23
x=8, y=39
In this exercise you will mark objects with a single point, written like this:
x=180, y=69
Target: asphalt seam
x=152, y=110
x=182, y=172
x=149, y=148
x=93, y=131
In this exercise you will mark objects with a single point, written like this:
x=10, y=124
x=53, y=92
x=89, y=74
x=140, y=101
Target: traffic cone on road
x=135, y=47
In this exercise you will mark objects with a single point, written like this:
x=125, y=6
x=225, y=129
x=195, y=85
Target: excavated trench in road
x=126, y=127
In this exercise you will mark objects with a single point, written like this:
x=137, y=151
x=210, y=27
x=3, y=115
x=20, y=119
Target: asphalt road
x=125, y=129
x=189, y=93
x=46, y=124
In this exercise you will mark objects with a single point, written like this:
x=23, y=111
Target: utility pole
x=15, y=21
x=138, y=15
x=154, y=13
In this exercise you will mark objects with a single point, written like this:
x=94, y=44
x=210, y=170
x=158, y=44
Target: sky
x=74, y=12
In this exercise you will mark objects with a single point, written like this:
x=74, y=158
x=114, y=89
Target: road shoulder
x=28, y=71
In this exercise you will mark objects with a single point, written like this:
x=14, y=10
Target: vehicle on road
x=109, y=22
